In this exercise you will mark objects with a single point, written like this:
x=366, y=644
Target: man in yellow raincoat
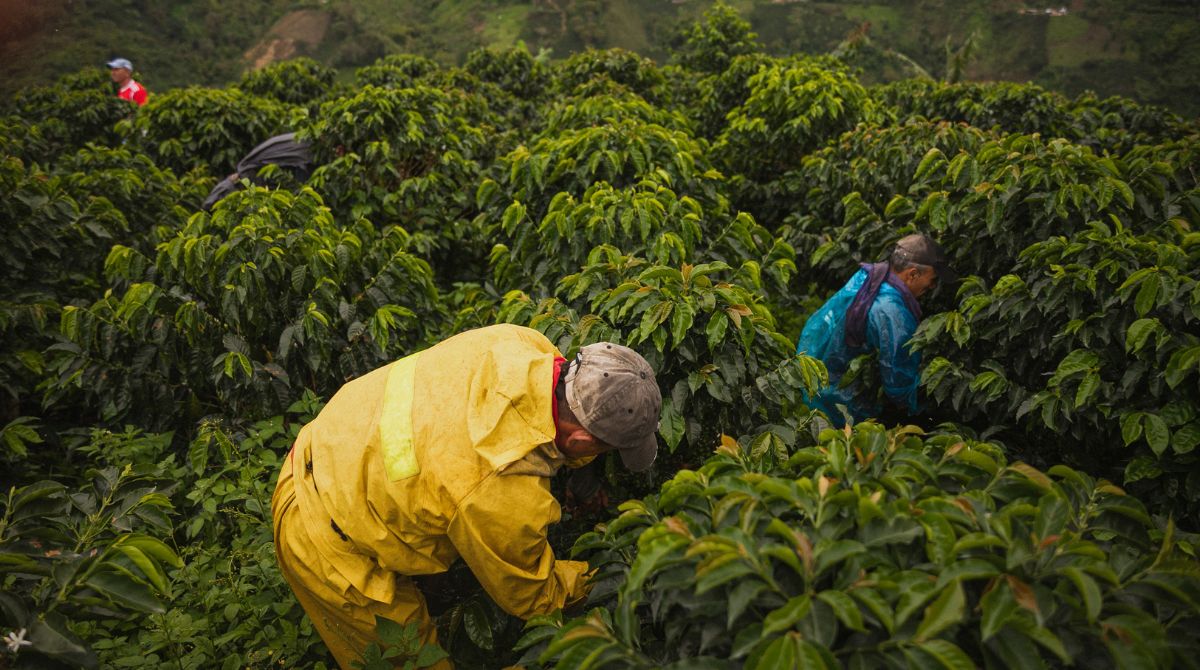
x=446, y=454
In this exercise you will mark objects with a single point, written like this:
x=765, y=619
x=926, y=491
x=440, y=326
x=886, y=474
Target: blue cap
x=121, y=62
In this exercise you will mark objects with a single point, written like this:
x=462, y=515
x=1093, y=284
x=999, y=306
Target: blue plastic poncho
x=890, y=324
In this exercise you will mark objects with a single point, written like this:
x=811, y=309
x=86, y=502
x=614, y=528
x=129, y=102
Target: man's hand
x=597, y=502
x=585, y=491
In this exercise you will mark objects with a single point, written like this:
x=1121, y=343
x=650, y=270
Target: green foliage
x=17, y=436
x=297, y=81
x=210, y=129
x=401, y=644
x=496, y=111
x=710, y=46
x=26, y=328
x=241, y=310
x=230, y=608
x=639, y=75
x=720, y=93
x=94, y=550
x=395, y=71
x=1119, y=124
x=621, y=154
x=1115, y=123
x=958, y=59
x=513, y=70
x=1009, y=107
x=79, y=109
x=1091, y=339
x=646, y=220
x=96, y=198
x=22, y=139
x=1055, y=230
x=592, y=111
x=880, y=549
x=62, y=242
x=1012, y=192
x=152, y=200
x=475, y=630
x=867, y=169
x=395, y=155
x=792, y=109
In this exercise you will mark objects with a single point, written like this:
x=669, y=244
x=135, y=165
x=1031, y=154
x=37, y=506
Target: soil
x=294, y=33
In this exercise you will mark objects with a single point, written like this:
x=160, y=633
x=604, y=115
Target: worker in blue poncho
x=875, y=312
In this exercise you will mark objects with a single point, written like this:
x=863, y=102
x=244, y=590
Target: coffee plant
x=640, y=75
x=77, y=110
x=242, y=307
x=711, y=45
x=1092, y=338
x=1112, y=124
x=210, y=129
x=395, y=71
x=90, y=549
x=395, y=154
x=514, y=70
x=297, y=82
x=157, y=361
x=790, y=110
x=879, y=548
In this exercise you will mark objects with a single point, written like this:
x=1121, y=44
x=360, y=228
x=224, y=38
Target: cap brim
x=640, y=456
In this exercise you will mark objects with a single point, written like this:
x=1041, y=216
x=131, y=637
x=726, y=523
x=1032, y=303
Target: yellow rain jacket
x=444, y=454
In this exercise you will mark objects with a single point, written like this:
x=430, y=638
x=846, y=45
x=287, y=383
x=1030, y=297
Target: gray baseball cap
x=923, y=250
x=121, y=62
x=612, y=391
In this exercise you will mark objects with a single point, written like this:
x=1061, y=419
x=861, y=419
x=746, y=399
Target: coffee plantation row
x=158, y=360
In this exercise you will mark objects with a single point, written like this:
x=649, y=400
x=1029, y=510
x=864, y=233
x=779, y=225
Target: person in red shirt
x=122, y=70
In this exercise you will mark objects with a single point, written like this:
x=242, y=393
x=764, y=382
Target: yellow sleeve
x=500, y=531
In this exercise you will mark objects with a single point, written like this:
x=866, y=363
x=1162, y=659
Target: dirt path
x=303, y=28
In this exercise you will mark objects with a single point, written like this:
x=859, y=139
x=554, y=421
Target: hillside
x=1149, y=51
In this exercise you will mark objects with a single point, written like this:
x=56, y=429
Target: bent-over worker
x=876, y=311
x=445, y=454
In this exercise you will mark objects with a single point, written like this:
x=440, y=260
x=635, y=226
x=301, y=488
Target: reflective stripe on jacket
x=890, y=325
x=445, y=453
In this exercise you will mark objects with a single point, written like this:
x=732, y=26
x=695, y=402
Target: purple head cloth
x=856, y=315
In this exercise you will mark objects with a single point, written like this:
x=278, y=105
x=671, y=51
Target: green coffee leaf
x=1157, y=433
x=1087, y=388
x=1089, y=591
x=478, y=624
x=948, y=655
x=844, y=608
x=945, y=611
x=1147, y=294
x=125, y=591
x=1139, y=332
x=998, y=608
x=51, y=636
x=1185, y=438
x=788, y=615
x=1131, y=426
